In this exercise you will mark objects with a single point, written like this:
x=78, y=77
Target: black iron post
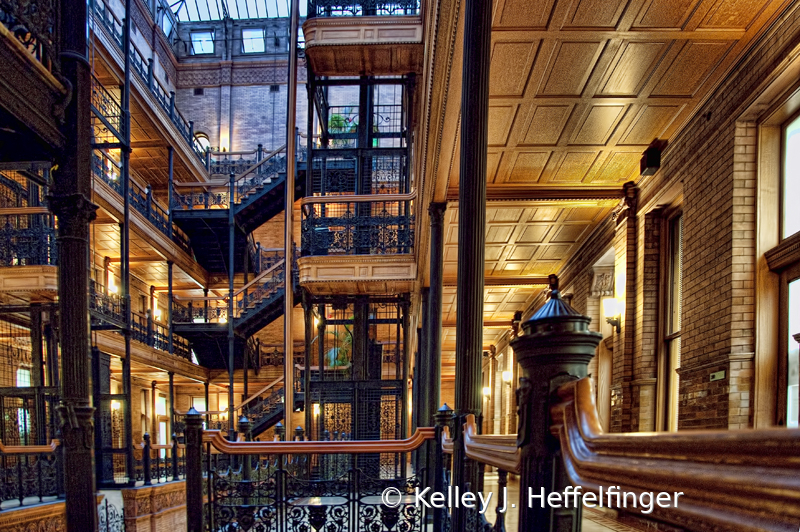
x=422, y=380
x=37, y=374
x=194, y=471
x=280, y=431
x=146, y=460
x=471, y=240
x=434, y=333
x=231, y=275
x=443, y=417
x=71, y=202
x=170, y=188
x=170, y=342
x=555, y=348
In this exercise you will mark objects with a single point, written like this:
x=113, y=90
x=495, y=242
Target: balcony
x=357, y=38
x=28, y=253
x=143, y=68
x=367, y=240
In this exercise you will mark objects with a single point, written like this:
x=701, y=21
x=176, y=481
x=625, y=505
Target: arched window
x=201, y=139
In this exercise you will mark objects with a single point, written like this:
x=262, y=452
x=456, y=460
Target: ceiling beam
x=497, y=324
x=498, y=282
x=544, y=193
x=144, y=144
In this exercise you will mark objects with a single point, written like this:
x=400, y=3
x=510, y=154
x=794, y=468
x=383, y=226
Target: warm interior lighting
x=612, y=311
x=508, y=375
x=112, y=288
x=115, y=405
x=316, y=321
x=315, y=409
x=487, y=391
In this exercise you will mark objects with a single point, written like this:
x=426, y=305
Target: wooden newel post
x=194, y=471
x=555, y=347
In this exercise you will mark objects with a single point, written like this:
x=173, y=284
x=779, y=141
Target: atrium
x=282, y=265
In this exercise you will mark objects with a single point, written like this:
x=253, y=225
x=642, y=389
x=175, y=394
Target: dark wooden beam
x=545, y=193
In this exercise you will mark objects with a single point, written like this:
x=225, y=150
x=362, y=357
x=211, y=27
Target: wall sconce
x=487, y=391
x=507, y=376
x=612, y=310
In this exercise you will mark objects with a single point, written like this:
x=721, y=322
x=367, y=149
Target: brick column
x=646, y=341
x=625, y=251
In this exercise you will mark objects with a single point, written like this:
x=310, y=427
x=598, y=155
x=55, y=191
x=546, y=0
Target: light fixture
x=315, y=409
x=487, y=391
x=612, y=310
x=115, y=405
x=507, y=376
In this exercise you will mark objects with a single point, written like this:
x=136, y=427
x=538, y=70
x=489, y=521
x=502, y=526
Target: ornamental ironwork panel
x=374, y=228
x=264, y=494
x=107, y=123
x=34, y=24
x=339, y=8
x=28, y=240
x=110, y=518
x=29, y=478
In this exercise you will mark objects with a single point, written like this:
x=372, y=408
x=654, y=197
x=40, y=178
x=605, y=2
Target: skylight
x=208, y=10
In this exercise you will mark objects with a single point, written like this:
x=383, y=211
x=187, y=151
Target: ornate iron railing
x=105, y=306
x=109, y=308
x=250, y=179
x=28, y=240
x=107, y=120
x=339, y=8
x=110, y=518
x=34, y=24
x=30, y=474
x=335, y=226
x=157, y=464
x=140, y=199
x=144, y=68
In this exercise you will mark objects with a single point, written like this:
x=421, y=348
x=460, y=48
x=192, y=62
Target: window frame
x=263, y=40
x=666, y=406
x=192, y=42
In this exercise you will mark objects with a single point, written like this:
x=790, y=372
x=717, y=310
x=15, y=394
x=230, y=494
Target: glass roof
x=207, y=10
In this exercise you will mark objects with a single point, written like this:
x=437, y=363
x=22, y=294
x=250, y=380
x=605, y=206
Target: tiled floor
x=593, y=520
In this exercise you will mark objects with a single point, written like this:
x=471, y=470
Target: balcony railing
x=358, y=225
x=156, y=464
x=251, y=176
x=109, y=308
x=30, y=474
x=144, y=68
x=34, y=25
x=339, y=8
x=140, y=199
x=107, y=123
x=27, y=239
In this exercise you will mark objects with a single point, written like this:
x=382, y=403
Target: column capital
x=77, y=429
x=72, y=208
x=628, y=205
x=436, y=211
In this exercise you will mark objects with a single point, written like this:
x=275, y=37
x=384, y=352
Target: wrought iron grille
x=368, y=228
x=28, y=240
x=272, y=494
x=29, y=478
x=34, y=24
x=107, y=122
x=338, y=8
x=110, y=518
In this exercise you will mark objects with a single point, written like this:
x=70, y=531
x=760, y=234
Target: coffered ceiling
x=578, y=90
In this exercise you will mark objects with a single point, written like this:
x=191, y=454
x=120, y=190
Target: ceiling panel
x=569, y=68
x=510, y=67
x=691, y=68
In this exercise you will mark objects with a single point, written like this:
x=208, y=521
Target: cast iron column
x=434, y=336
x=471, y=240
x=555, y=348
x=194, y=471
x=72, y=190
x=231, y=275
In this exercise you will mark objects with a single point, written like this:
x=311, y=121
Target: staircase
x=202, y=210
x=269, y=410
x=256, y=305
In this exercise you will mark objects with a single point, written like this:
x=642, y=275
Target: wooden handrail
x=447, y=441
x=225, y=183
x=29, y=449
x=420, y=436
x=358, y=198
x=259, y=392
x=495, y=450
x=258, y=277
x=735, y=480
x=15, y=211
